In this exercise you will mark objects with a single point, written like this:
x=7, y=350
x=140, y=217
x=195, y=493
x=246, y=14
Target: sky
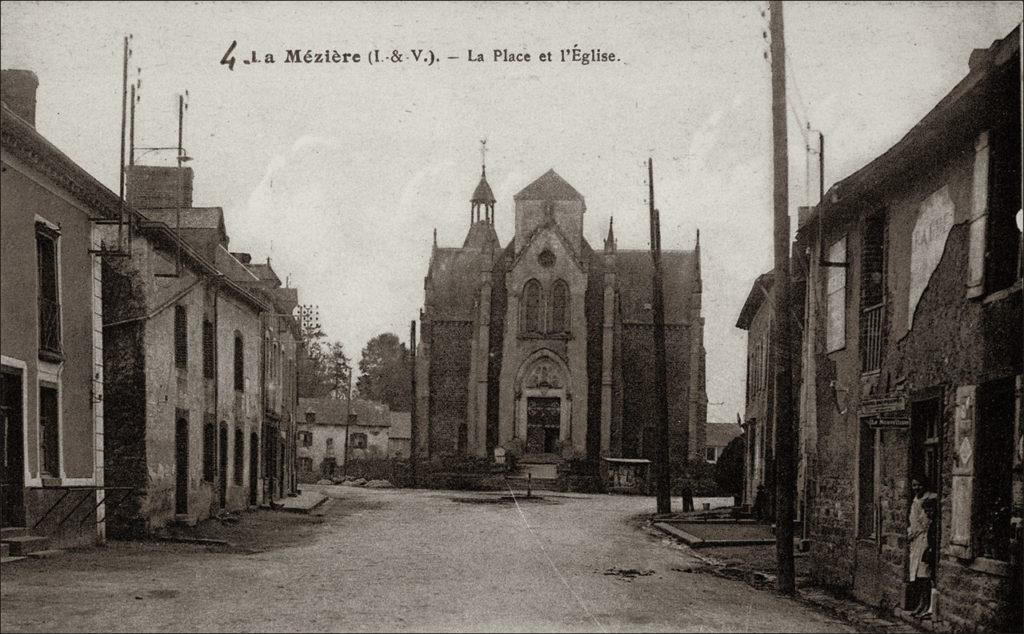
x=341, y=172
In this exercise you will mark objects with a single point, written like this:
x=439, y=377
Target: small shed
x=627, y=475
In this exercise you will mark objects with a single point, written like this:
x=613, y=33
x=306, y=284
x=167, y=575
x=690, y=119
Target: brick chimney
x=18, y=91
x=159, y=187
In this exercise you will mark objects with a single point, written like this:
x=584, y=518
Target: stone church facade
x=543, y=348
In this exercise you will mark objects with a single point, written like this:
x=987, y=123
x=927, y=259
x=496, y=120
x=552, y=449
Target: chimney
x=18, y=91
x=159, y=187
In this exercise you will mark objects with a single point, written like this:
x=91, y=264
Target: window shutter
x=979, y=219
x=963, y=472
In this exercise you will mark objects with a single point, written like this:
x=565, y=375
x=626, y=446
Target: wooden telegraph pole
x=413, y=439
x=781, y=330
x=664, y=483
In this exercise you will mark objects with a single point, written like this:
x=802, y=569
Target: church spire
x=483, y=197
x=609, y=242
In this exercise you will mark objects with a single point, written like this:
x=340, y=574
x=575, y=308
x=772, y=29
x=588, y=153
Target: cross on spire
x=483, y=157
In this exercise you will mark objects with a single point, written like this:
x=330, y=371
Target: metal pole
x=124, y=115
x=781, y=330
x=348, y=421
x=412, y=413
x=821, y=167
x=181, y=182
x=664, y=488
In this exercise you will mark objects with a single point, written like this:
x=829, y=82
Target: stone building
x=51, y=340
x=543, y=348
x=912, y=355
x=758, y=430
x=187, y=363
x=331, y=433
x=279, y=347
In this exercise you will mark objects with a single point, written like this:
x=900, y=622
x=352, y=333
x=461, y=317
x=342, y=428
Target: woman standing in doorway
x=920, y=536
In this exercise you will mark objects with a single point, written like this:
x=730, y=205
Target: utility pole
x=781, y=330
x=124, y=116
x=821, y=168
x=664, y=483
x=412, y=406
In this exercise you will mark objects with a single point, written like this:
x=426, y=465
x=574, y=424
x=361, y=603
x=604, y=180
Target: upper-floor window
x=209, y=450
x=531, y=307
x=560, y=307
x=180, y=337
x=209, y=346
x=872, y=292
x=835, y=297
x=239, y=364
x=359, y=441
x=49, y=288
x=1003, y=251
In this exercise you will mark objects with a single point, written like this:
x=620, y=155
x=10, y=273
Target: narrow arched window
x=531, y=306
x=239, y=364
x=560, y=307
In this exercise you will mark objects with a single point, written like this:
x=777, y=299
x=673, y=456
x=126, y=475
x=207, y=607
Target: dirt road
x=386, y=560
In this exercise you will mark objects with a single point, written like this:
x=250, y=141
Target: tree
x=323, y=366
x=730, y=467
x=384, y=372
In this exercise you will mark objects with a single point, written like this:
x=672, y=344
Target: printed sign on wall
x=928, y=241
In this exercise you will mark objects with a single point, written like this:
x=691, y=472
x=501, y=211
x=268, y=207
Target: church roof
x=634, y=270
x=550, y=186
x=483, y=193
x=481, y=234
x=453, y=278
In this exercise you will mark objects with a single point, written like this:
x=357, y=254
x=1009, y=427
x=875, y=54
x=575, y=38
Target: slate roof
x=480, y=235
x=758, y=293
x=634, y=273
x=333, y=411
x=483, y=193
x=721, y=434
x=550, y=186
x=454, y=275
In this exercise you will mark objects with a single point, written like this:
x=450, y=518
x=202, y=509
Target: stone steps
x=25, y=544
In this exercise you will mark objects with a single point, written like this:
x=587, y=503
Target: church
x=541, y=351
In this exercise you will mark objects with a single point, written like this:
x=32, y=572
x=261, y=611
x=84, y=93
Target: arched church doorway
x=543, y=423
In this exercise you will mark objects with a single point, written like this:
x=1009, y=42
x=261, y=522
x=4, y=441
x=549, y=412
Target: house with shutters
x=52, y=488
x=912, y=356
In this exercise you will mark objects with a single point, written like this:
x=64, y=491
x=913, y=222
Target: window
x=48, y=289
x=49, y=424
x=209, y=450
x=305, y=464
x=359, y=441
x=239, y=456
x=560, y=307
x=1002, y=255
x=835, y=297
x=866, y=491
x=711, y=454
x=180, y=337
x=872, y=292
x=307, y=438
x=310, y=418
x=239, y=364
x=531, y=307
x=329, y=447
x=209, y=349
x=993, y=489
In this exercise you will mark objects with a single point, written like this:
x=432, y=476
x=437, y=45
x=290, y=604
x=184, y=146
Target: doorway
x=181, y=467
x=12, y=484
x=926, y=467
x=254, y=465
x=543, y=424
x=223, y=465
